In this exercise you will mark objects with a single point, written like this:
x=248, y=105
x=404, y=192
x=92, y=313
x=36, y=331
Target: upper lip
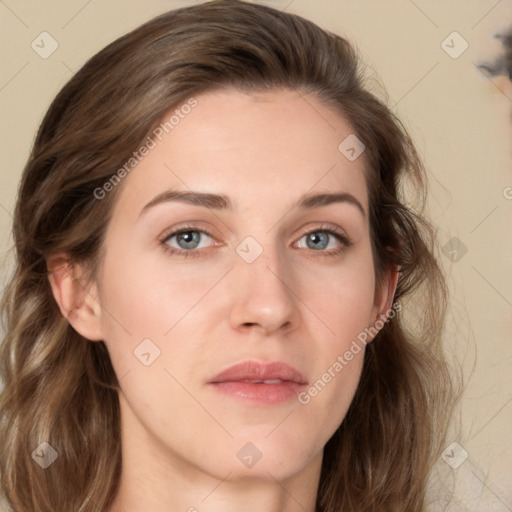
x=255, y=371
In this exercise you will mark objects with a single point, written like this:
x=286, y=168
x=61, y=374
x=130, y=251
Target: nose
x=264, y=299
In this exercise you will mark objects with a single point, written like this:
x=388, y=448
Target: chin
x=263, y=458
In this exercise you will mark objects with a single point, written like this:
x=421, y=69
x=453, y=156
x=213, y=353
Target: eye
x=184, y=241
x=324, y=240
x=190, y=241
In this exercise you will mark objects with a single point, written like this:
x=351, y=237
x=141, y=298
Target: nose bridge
x=264, y=290
x=269, y=272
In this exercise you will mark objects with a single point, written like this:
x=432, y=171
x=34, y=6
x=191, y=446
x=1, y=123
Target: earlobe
x=77, y=300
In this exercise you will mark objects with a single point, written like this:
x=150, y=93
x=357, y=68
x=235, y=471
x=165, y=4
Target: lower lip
x=259, y=393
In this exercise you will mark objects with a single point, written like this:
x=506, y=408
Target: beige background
x=461, y=122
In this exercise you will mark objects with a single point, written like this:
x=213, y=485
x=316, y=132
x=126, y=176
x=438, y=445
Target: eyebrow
x=222, y=202
x=317, y=200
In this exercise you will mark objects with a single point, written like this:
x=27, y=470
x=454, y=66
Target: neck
x=213, y=495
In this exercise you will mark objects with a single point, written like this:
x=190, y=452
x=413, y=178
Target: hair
x=61, y=388
x=502, y=65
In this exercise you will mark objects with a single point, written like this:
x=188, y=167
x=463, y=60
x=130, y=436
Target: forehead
x=260, y=148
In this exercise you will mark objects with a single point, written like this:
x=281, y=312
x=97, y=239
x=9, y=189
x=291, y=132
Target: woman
x=215, y=303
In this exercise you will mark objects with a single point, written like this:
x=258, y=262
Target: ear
x=77, y=300
x=384, y=294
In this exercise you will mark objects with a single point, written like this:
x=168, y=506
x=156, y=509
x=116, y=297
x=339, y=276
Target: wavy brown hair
x=61, y=388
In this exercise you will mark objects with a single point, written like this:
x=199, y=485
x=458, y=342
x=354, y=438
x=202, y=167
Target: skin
x=293, y=303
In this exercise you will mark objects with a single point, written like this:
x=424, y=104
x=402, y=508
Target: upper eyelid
x=187, y=226
x=335, y=230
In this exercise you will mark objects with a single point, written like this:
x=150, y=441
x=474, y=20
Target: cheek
x=152, y=306
x=342, y=296
x=343, y=304
x=146, y=297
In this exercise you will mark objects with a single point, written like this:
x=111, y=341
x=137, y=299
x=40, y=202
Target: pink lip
x=245, y=381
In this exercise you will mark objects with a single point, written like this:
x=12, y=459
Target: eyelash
x=194, y=253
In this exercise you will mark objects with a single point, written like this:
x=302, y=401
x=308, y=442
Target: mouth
x=260, y=383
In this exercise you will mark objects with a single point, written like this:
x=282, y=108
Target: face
x=236, y=276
